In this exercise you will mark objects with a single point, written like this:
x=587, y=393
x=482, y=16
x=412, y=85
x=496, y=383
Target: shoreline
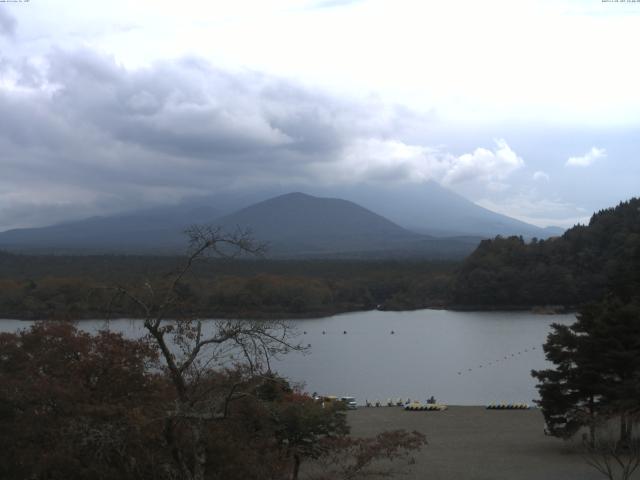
x=537, y=309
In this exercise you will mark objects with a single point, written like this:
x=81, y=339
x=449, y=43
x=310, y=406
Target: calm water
x=461, y=358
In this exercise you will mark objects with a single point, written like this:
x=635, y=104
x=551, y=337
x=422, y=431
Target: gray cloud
x=7, y=23
x=81, y=133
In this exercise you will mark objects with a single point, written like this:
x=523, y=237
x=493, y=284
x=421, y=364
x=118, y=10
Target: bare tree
x=382, y=456
x=614, y=458
x=193, y=350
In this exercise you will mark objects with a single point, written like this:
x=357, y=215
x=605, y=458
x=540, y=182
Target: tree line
x=571, y=270
x=63, y=287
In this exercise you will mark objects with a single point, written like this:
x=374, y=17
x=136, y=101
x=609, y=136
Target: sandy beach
x=472, y=443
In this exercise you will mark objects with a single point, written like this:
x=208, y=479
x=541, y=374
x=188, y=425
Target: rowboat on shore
x=429, y=407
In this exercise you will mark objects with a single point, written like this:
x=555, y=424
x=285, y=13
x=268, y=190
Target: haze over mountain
x=432, y=209
x=303, y=223
x=293, y=224
x=300, y=224
x=151, y=230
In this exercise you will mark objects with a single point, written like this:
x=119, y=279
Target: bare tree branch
x=182, y=343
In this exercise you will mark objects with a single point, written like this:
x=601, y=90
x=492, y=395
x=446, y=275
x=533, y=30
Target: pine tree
x=597, y=370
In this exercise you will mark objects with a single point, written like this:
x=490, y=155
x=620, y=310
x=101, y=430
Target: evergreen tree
x=569, y=394
x=597, y=370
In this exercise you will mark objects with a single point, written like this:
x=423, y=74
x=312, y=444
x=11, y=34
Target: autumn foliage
x=81, y=406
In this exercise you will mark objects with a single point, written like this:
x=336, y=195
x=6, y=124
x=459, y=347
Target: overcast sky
x=529, y=108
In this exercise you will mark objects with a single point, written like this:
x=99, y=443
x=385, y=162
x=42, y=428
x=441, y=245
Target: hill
x=157, y=230
x=297, y=224
x=578, y=267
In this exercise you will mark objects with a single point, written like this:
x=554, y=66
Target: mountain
x=427, y=208
x=304, y=225
x=432, y=209
x=293, y=225
x=418, y=220
x=157, y=230
x=311, y=224
x=553, y=231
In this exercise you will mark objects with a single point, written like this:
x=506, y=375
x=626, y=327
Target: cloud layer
x=82, y=134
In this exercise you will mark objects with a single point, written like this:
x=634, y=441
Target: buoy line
x=462, y=371
x=505, y=357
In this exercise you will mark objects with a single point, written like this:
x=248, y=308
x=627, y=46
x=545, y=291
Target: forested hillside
x=578, y=267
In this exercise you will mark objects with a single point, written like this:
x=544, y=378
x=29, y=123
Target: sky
x=528, y=108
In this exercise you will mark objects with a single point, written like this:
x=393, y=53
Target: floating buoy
x=392, y=332
x=345, y=332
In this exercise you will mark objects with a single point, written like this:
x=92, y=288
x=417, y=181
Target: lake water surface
x=461, y=358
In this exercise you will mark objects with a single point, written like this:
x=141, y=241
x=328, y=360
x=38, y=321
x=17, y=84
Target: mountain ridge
x=294, y=223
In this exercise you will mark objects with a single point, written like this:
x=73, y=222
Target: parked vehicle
x=350, y=402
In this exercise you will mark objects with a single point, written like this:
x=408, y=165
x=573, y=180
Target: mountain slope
x=432, y=209
x=294, y=225
x=158, y=229
x=300, y=223
x=427, y=209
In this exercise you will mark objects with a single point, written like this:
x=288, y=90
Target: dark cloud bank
x=82, y=134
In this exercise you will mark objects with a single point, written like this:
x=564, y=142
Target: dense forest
x=72, y=287
x=576, y=268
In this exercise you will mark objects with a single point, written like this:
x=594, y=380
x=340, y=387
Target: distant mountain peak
x=324, y=221
x=293, y=195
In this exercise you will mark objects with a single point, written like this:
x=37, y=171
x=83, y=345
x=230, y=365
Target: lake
x=461, y=358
